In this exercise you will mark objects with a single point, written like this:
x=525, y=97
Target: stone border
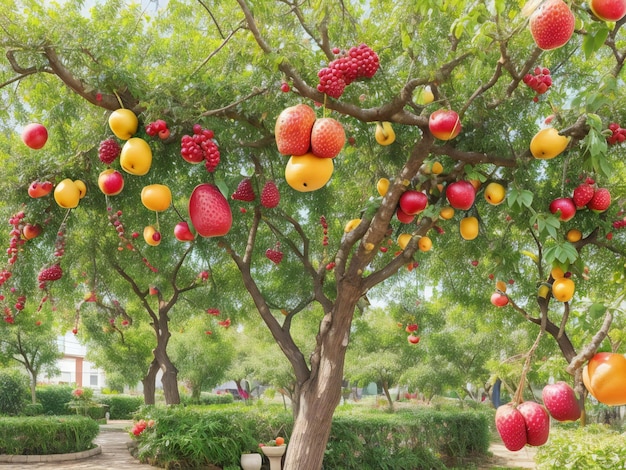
x=6, y=458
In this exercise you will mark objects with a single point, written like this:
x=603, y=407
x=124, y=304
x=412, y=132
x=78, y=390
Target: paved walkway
x=114, y=456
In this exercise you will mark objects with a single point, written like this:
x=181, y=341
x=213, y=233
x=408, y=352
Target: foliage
x=54, y=398
x=360, y=438
x=33, y=409
x=13, y=391
x=592, y=447
x=46, y=435
x=207, y=398
x=121, y=406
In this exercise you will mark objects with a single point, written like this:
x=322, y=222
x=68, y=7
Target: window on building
x=93, y=380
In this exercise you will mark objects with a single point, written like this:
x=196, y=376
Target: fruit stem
x=519, y=393
x=179, y=214
x=119, y=100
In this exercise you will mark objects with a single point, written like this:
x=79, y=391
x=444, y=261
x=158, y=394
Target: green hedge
x=44, y=435
x=424, y=438
x=121, y=406
x=207, y=398
x=54, y=398
x=14, y=391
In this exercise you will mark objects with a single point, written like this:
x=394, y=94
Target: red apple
x=35, y=135
x=40, y=189
x=561, y=402
x=111, y=182
x=30, y=231
x=444, y=124
x=565, y=206
x=461, y=194
x=413, y=202
x=404, y=217
x=182, y=232
x=413, y=339
x=608, y=10
x=499, y=300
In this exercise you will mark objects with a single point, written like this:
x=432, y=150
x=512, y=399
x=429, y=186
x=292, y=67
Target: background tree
x=224, y=70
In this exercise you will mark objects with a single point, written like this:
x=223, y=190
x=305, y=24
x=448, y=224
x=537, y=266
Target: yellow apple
x=123, y=123
x=351, y=225
x=404, y=239
x=469, y=228
x=151, y=235
x=382, y=186
x=67, y=194
x=425, y=96
x=425, y=244
x=548, y=143
x=156, y=197
x=307, y=172
x=82, y=188
x=495, y=193
x=136, y=157
x=446, y=213
x=384, y=133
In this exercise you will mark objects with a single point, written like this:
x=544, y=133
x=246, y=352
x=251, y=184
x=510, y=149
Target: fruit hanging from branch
x=560, y=400
x=548, y=143
x=608, y=10
x=552, y=24
x=307, y=172
x=384, y=133
x=444, y=124
x=136, y=156
x=605, y=378
x=359, y=62
x=156, y=197
x=292, y=130
x=209, y=211
x=68, y=193
x=123, y=123
x=35, y=135
x=111, y=182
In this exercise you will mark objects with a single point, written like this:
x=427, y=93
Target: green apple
x=136, y=157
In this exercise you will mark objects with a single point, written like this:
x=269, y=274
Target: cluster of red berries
x=541, y=81
x=359, y=62
x=213, y=311
x=274, y=255
x=109, y=150
x=115, y=218
x=158, y=127
x=618, y=224
x=201, y=147
x=618, y=134
x=16, y=240
x=324, y=225
x=54, y=272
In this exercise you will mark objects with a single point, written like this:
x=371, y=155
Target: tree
x=224, y=69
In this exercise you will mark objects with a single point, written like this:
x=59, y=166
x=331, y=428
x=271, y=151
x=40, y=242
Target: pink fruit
x=182, y=232
x=552, y=24
x=537, y=422
x=565, y=208
x=209, y=211
x=583, y=193
x=35, y=135
x=327, y=138
x=413, y=202
x=600, y=201
x=461, y=194
x=511, y=426
x=293, y=129
x=561, y=402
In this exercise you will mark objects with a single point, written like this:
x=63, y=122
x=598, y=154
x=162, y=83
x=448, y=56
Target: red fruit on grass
x=413, y=202
x=327, y=138
x=537, y=422
x=552, y=24
x=561, y=402
x=511, y=426
x=413, y=339
x=209, y=211
x=582, y=194
x=293, y=129
x=600, y=201
x=270, y=197
x=244, y=191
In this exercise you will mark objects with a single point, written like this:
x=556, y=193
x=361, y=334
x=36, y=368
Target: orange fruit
x=425, y=244
x=280, y=441
x=563, y=289
x=446, y=213
x=573, y=235
x=469, y=228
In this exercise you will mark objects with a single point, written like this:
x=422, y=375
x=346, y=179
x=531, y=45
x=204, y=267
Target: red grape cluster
x=199, y=147
x=324, y=225
x=16, y=239
x=541, y=81
x=619, y=224
x=158, y=127
x=618, y=134
x=359, y=62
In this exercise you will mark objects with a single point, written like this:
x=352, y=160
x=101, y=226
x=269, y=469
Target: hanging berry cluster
x=541, y=81
x=324, y=225
x=200, y=147
x=115, y=218
x=358, y=62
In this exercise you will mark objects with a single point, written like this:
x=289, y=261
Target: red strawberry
x=561, y=402
x=244, y=191
x=582, y=195
x=209, y=211
x=601, y=200
x=270, y=197
x=511, y=427
x=109, y=150
x=293, y=129
x=537, y=422
x=327, y=138
x=552, y=24
x=275, y=256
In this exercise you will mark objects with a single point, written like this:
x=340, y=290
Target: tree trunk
x=149, y=383
x=385, y=386
x=33, y=385
x=170, y=375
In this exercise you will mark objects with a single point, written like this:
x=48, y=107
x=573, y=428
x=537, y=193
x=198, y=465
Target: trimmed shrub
x=121, y=406
x=196, y=437
x=33, y=409
x=207, y=398
x=593, y=447
x=54, y=398
x=14, y=391
x=47, y=435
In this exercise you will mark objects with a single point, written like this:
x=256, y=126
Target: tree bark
x=33, y=385
x=149, y=383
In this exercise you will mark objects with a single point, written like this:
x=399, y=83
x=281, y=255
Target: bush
x=46, y=435
x=196, y=437
x=54, y=398
x=592, y=447
x=33, y=409
x=14, y=391
x=121, y=406
x=207, y=398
